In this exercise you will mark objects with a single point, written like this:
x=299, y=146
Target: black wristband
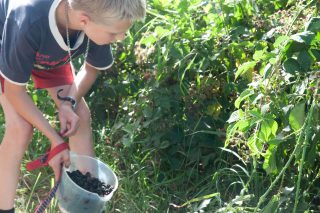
x=67, y=98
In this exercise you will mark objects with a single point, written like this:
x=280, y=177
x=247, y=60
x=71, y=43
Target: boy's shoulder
x=27, y=9
x=27, y=15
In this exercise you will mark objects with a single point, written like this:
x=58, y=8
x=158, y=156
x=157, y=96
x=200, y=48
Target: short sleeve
x=99, y=56
x=17, y=54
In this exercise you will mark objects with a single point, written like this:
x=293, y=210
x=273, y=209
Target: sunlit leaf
x=245, y=94
x=245, y=68
x=280, y=41
x=268, y=128
x=253, y=146
x=243, y=125
x=235, y=116
x=270, y=162
x=297, y=116
x=160, y=31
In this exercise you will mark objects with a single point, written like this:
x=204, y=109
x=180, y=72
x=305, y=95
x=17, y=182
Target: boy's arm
x=83, y=82
x=25, y=107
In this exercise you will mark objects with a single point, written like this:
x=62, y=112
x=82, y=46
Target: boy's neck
x=62, y=18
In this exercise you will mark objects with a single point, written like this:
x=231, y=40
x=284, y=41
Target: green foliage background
x=211, y=106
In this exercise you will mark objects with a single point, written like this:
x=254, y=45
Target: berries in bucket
x=86, y=185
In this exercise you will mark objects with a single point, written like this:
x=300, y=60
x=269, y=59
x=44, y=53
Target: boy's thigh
x=12, y=117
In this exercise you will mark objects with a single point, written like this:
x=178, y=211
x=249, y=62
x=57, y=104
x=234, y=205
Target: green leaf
x=161, y=4
x=274, y=127
x=149, y=40
x=35, y=98
x=235, y=116
x=259, y=55
x=160, y=31
x=280, y=41
x=316, y=53
x=291, y=66
x=305, y=60
x=270, y=160
x=254, y=145
x=183, y=6
x=312, y=150
x=275, y=141
x=293, y=47
x=245, y=67
x=267, y=70
x=297, y=116
x=237, y=31
x=313, y=25
x=256, y=114
x=265, y=131
x=243, y=125
x=245, y=94
x=268, y=129
x=304, y=37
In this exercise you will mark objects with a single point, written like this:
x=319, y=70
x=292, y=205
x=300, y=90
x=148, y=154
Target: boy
x=38, y=39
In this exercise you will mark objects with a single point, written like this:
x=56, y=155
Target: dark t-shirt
x=30, y=40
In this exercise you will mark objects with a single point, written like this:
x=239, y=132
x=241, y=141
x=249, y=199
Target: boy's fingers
x=63, y=126
x=68, y=133
x=72, y=128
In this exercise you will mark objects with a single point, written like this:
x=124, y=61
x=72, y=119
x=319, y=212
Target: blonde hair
x=104, y=11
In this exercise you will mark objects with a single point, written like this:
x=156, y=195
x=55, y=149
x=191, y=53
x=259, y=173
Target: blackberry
x=90, y=183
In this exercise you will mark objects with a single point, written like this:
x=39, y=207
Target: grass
x=145, y=184
x=229, y=184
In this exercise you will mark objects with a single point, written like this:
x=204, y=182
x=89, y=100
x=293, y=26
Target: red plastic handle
x=44, y=159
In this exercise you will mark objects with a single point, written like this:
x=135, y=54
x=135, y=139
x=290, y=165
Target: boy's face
x=106, y=34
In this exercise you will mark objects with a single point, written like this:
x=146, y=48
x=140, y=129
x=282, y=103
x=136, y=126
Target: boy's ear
x=84, y=19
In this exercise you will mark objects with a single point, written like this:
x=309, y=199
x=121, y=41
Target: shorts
x=49, y=78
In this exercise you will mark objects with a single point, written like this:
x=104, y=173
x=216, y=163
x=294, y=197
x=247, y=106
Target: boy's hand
x=63, y=158
x=69, y=120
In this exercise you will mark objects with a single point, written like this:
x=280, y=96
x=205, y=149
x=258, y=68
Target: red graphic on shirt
x=45, y=62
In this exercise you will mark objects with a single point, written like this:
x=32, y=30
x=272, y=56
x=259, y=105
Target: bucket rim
x=115, y=186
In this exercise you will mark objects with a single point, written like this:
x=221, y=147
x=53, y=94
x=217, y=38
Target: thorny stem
x=305, y=128
x=306, y=143
x=305, y=132
x=263, y=197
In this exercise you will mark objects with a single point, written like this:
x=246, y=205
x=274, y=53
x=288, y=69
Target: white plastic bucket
x=74, y=199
